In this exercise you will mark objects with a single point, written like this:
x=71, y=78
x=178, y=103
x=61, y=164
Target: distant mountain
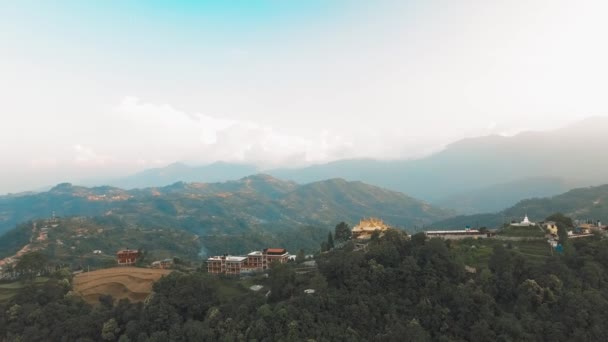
x=179, y=172
x=574, y=153
x=254, y=202
x=470, y=176
x=497, y=197
x=590, y=203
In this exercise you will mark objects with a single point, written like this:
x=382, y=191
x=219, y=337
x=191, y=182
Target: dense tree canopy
x=398, y=289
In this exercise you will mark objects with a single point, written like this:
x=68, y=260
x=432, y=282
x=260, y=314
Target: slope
x=571, y=153
x=590, y=203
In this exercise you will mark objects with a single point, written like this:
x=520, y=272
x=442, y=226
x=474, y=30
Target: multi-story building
x=279, y=255
x=127, y=257
x=254, y=261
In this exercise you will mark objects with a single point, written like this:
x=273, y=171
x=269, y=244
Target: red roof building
x=127, y=257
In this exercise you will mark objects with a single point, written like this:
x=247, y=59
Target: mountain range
x=484, y=174
x=254, y=202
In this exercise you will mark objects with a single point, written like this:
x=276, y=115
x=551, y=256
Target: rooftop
x=370, y=224
x=235, y=258
x=130, y=251
x=275, y=250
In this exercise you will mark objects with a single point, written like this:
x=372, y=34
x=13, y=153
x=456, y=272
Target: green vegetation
x=580, y=203
x=291, y=238
x=73, y=242
x=224, y=208
x=476, y=253
x=342, y=232
x=401, y=289
x=9, y=289
x=231, y=217
x=523, y=232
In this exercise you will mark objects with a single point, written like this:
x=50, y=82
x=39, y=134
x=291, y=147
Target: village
x=548, y=229
x=261, y=260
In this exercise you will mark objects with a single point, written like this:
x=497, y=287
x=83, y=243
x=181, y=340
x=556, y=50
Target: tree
x=282, y=282
x=31, y=264
x=110, y=330
x=342, y=232
x=330, y=241
x=300, y=257
x=561, y=219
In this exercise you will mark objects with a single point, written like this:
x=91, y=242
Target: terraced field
x=120, y=282
x=477, y=253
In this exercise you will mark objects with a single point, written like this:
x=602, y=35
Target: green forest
x=399, y=288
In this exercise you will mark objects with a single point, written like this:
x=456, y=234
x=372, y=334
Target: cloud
x=86, y=156
x=161, y=130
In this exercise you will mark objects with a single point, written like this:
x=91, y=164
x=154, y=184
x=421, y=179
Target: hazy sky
x=102, y=88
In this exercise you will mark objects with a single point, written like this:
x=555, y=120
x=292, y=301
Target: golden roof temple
x=368, y=226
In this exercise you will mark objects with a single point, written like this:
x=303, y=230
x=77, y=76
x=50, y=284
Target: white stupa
x=525, y=223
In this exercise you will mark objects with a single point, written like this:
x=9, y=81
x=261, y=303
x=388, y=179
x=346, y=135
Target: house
x=550, y=227
x=163, y=264
x=127, y=257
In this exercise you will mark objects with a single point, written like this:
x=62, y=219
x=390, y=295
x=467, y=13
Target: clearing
x=133, y=283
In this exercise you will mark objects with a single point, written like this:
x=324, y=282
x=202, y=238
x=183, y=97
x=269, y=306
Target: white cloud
x=159, y=130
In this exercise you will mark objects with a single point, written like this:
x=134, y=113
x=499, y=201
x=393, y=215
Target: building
x=456, y=234
x=525, y=223
x=368, y=226
x=127, y=257
x=226, y=264
x=550, y=227
x=254, y=261
x=585, y=228
x=279, y=255
x=163, y=264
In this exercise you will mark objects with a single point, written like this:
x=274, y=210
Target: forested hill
x=224, y=208
x=583, y=203
x=400, y=289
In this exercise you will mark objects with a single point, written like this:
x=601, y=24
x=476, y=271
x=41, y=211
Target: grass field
x=120, y=282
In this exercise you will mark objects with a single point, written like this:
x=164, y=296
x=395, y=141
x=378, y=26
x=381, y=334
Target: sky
x=108, y=88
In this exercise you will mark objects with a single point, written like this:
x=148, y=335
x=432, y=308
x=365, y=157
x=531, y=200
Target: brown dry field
x=133, y=283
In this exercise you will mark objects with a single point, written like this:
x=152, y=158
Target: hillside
x=257, y=207
x=500, y=196
x=71, y=241
x=572, y=153
x=179, y=172
x=398, y=289
x=352, y=200
x=473, y=175
x=582, y=203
